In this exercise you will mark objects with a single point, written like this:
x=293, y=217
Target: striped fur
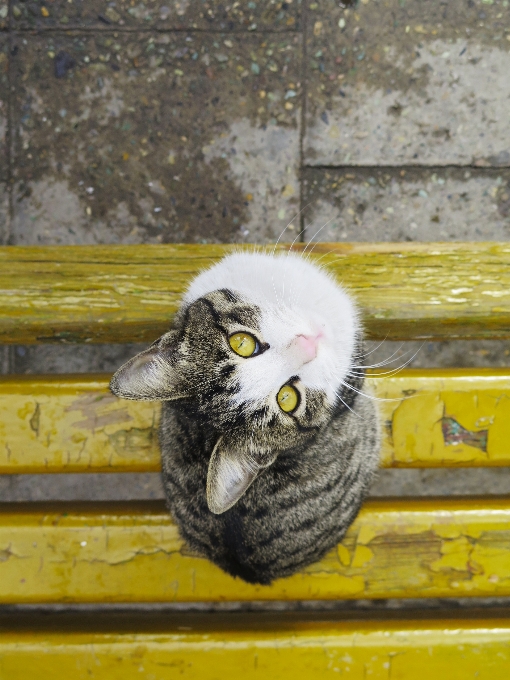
x=296, y=510
x=303, y=475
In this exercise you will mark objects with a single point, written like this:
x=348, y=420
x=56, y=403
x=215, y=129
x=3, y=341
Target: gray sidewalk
x=131, y=122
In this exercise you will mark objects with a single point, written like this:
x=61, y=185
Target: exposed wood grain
x=129, y=293
x=133, y=553
x=433, y=418
x=59, y=423
x=255, y=646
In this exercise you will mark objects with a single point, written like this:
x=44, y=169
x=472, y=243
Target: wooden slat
x=59, y=423
x=445, y=417
x=255, y=646
x=128, y=293
x=133, y=553
x=456, y=418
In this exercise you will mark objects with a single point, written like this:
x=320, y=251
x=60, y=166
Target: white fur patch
x=296, y=298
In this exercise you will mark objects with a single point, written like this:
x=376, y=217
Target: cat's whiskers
x=278, y=241
x=288, y=225
x=317, y=260
x=304, y=254
x=365, y=354
x=381, y=374
x=368, y=396
x=313, y=237
x=344, y=403
x=386, y=361
x=289, y=249
x=285, y=270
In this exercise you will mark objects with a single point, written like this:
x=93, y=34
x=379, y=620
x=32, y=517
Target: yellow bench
x=71, y=553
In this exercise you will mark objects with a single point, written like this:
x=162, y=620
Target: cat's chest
x=187, y=446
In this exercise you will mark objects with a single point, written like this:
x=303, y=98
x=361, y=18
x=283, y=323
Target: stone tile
x=4, y=359
x=33, y=359
x=412, y=204
x=4, y=214
x=406, y=82
x=159, y=14
x=447, y=354
x=4, y=102
x=438, y=482
x=4, y=14
x=81, y=487
x=156, y=138
x=141, y=486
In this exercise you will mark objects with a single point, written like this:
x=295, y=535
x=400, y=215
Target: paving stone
x=139, y=486
x=403, y=81
x=448, y=353
x=159, y=14
x=412, y=204
x=33, y=359
x=4, y=214
x=438, y=482
x=81, y=487
x=162, y=138
x=4, y=15
x=4, y=94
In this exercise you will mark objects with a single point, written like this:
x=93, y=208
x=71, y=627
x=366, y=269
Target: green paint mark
x=454, y=433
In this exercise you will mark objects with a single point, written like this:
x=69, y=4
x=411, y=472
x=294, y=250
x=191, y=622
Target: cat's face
x=264, y=376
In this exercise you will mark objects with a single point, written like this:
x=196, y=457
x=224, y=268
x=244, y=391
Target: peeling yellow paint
x=477, y=399
x=343, y=555
x=133, y=553
x=366, y=534
x=72, y=293
x=455, y=554
x=362, y=556
x=73, y=423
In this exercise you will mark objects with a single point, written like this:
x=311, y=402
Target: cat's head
x=260, y=352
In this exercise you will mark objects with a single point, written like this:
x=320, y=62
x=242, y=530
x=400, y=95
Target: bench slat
x=128, y=293
x=253, y=646
x=133, y=553
x=73, y=424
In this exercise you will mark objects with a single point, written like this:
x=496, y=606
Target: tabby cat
x=268, y=443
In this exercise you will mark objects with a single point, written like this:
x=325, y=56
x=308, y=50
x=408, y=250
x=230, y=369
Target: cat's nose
x=306, y=345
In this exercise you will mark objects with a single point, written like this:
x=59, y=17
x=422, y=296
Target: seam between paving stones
x=9, y=135
x=304, y=99
x=144, y=29
x=411, y=166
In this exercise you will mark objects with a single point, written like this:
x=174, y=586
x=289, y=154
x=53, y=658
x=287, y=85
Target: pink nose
x=307, y=345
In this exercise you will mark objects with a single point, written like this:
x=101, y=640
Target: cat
x=268, y=443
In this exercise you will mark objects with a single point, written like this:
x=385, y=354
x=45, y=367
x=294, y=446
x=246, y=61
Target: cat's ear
x=149, y=376
x=231, y=473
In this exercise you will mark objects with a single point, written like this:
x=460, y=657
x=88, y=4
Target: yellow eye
x=243, y=344
x=288, y=398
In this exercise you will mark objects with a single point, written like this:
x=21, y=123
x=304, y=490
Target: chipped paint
x=58, y=424
x=133, y=553
x=403, y=290
x=454, y=433
x=75, y=424
x=452, y=417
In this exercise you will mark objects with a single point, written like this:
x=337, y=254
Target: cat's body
x=268, y=447
x=294, y=512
